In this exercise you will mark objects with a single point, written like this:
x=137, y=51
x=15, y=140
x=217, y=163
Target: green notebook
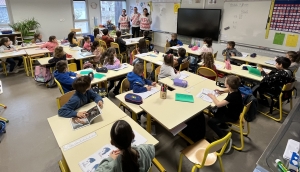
x=184, y=98
x=99, y=75
x=85, y=72
x=254, y=71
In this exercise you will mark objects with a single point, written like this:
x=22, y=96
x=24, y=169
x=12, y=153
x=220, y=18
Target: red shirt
x=107, y=40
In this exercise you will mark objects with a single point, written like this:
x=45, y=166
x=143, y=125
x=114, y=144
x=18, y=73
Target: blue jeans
x=12, y=62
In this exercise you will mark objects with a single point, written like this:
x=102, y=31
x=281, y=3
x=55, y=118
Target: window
x=111, y=10
x=4, y=17
x=81, y=19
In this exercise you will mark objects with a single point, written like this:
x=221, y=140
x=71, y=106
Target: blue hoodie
x=137, y=83
x=65, y=80
x=78, y=100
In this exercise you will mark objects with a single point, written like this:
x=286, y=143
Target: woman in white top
x=167, y=68
x=207, y=46
x=135, y=22
x=145, y=20
x=124, y=22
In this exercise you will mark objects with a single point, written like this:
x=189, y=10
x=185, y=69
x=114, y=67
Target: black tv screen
x=199, y=23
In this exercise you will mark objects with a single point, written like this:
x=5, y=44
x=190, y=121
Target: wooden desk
x=192, y=79
x=64, y=133
x=28, y=46
x=30, y=54
x=188, y=50
x=260, y=60
x=122, y=36
x=132, y=41
x=4, y=56
x=80, y=152
x=44, y=61
x=76, y=54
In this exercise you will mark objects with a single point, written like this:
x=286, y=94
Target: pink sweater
x=50, y=46
x=116, y=64
x=87, y=46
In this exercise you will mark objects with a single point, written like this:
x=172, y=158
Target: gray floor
x=29, y=145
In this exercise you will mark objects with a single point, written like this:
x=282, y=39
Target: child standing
x=87, y=43
x=167, y=68
x=208, y=61
x=124, y=22
x=145, y=20
x=37, y=38
x=112, y=62
x=59, y=54
x=64, y=77
x=137, y=81
x=135, y=22
x=120, y=41
x=81, y=97
x=106, y=38
x=51, y=44
x=229, y=109
x=127, y=158
x=6, y=46
x=182, y=58
x=295, y=60
x=207, y=46
x=231, y=51
x=173, y=42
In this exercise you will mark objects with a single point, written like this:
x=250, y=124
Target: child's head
x=230, y=44
x=105, y=31
x=181, y=52
x=208, y=41
x=108, y=21
x=52, y=38
x=62, y=66
x=145, y=11
x=293, y=56
x=37, y=36
x=174, y=36
x=109, y=56
x=142, y=44
x=82, y=84
x=118, y=33
x=138, y=69
x=232, y=82
x=282, y=63
x=169, y=60
x=146, y=33
x=71, y=35
x=96, y=32
x=87, y=39
x=122, y=135
x=95, y=45
x=135, y=9
x=123, y=12
x=5, y=41
x=59, y=52
x=208, y=60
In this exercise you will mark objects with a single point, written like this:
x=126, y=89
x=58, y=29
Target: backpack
x=42, y=74
x=2, y=127
x=51, y=83
x=251, y=114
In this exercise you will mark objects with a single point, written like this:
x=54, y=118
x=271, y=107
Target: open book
x=204, y=94
x=146, y=94
x=92, y=162
x=92, y=113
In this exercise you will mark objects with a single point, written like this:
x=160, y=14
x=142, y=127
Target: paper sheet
x=219, y=66
x=159, y=62
x=123, y=66
x=183, y=75
x=278, y=38
x=245, y=54
x=203, y=94
x=148, y=93
x=178, y=129
x=292, y=40
x=272, y=62
x=267, y=70
x=142, y=55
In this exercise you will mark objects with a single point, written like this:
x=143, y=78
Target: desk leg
x=25, y=65
x=247, y=63
x=31, y=66
x=145, y=69
x=153, y=66
x=81, y=64
x=134, y=116
x=148, y=123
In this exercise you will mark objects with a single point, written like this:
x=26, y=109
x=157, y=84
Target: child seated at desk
x=208, y=61
x=72, y=39
x=87, y=43
x=6, y=46
x=167, y=68
x=141, y=48
x=110, y=61
x=229, y=109
x=59, y=54
x=97, y=50
x=182, y=58
x=51, y=44
x=106, y=38
x=81, y=97
x=97, y=34
x=207, y=46
x=173, y=42
x=120, y=42
x=127, y=158
x=137, y=81
x=147, y=37
x=63, y=76
x=295, y=60
x=274, y=81
x=231, y=51
x=37, y=38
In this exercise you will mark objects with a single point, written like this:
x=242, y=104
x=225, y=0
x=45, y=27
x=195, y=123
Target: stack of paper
x=144, y=95
x=84, y=54
x=183, y=75
x=272, y=62
x=245, y=54
x=123, y=66
x=142, y=55
x=204, y=94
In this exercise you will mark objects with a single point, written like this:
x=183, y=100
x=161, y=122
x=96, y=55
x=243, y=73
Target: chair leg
x=194, y=168
x=242, y=139
x=148, y=123
x=180, y=162
x=221, y=163
x=185, y=138
x=248, y=130
x=291, y=103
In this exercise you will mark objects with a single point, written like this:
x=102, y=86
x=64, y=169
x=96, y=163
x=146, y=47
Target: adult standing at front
x=124, y=22
x=135, y=22
x=145, y=20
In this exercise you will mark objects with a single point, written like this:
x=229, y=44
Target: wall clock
x=93, y=5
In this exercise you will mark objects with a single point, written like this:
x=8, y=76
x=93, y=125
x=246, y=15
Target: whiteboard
x=163, y=17
x=247, y=25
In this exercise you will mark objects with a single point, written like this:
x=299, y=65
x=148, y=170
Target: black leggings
x=135, y=31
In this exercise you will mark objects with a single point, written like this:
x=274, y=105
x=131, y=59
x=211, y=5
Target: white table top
x=19, y=47
x=75, y=52
x=13, y=54
x=89, y=147
x=64, y=133
x=33, y=51
x=152, y=58
x=261, y=60
x=188, y=50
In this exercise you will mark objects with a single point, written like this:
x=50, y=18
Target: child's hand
x=232, y=54
x=114, y=154
x=219, y=91
x=81, y=114
x=79, y=121
x=177, y=72
x=148, y=88
x=78, y=75
x=100, y=104
x=210, y=95
x=259, y=68
x=153, y=84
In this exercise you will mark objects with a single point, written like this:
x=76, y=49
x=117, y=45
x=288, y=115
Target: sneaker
x=228, y=147
x=15, y=71
x=143, y=121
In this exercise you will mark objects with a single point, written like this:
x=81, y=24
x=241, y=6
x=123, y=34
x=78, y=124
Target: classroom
x=149, y=85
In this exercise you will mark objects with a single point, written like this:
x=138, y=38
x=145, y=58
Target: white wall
x=93, y=13
x=47, y=12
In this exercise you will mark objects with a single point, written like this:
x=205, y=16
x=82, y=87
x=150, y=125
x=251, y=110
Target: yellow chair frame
x=286, y=87
x=103, y=45
x=157, y=71
x=116, y=46
x=184, y=65
x=240, y=125
x=59, y=86
x=1, y=118
x=207, y=72
x=72, y=67
x=210, y=149
x=4, y=67
x=62, y=100
x=168, y=45
x=133, y=53
x=215, y=55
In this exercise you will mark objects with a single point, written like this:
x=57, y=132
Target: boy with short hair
x=120, y=41
x=174, y=42
x=182, y=58
x=81, y=97
x=231, y=51
x=137, y=81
